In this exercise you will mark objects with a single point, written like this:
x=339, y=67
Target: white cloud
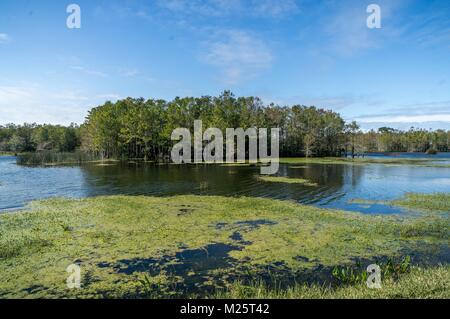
x=4, y=38
x=222, y=8
x=406, y=125
x=206, y=8
x=36, y=104
x=88, y=71
x=275, y=8
x=445, y=117
x=109, y=97
x=347, y=31
x=238, y=55
x=129, y=72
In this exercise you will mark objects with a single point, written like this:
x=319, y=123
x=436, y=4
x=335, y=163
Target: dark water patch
x=220, y=226
x=250, y=225
x=185, y=211
x=237, y=236
x=202, y=260
x=247, y=225
x=34, y=289
x=301, y=258
x=205, y=270
x=427, y=255
x=422, y=255
x=376, y=209
x=214, y=256
x=196, y=267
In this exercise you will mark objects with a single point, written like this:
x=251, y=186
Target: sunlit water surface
x=337, y=185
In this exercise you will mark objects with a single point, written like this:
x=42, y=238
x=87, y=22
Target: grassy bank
x=7, y=154
x=195, y=246
x=56, y=158
x=363, y=161
x=286, y=180
x=438, y=202
x=419, y=283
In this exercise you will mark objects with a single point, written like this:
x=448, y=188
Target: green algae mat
x=163, y=247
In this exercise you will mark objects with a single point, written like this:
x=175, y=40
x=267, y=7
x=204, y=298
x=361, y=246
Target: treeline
x=414, y=140
x=139, y=128
x=36, y=138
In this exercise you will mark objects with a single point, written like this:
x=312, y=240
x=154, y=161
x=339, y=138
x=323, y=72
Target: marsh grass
x=363, y=161
x=118, y=240
x=417, y=283
x=438, y=202
x=48, y=158
x=286, y=180
x=356, y=274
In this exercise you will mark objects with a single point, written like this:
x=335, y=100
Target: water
x=337, y=186
x=437, y=156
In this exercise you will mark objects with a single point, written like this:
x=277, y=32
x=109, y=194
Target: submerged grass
x=48, y=158
x=195, y=244
x=429, y=202
x=363, y=161
x=286, y=180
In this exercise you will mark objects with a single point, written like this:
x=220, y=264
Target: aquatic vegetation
x=357, y=274
x=287, y=180
x=191, y=245
x=48, y=158
x=429, y=202
x=364, y=201
x=417, y=283
x=364, y=161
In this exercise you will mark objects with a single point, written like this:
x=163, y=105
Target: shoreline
x=425, y=161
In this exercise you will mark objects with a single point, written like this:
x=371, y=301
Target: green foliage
x=139, y=128
x=429, y=202
x=53, y=157
x=36, y=138
x=349, y=275
x=418, y=283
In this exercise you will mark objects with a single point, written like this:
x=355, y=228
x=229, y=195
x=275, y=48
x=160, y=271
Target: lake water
x=337, y=186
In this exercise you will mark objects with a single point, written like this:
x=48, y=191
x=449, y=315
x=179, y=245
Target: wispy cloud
x=225, y=8
x=88, y=71
x=431, y=27
x=205, y=8
x=417, y=110
x=4, y=38
x=109, y=97
x=406, y=125
x=238, y=55
x=433, y=114
x=346, y=28
x=275, y=8
x=129, y=72
x=444, y=117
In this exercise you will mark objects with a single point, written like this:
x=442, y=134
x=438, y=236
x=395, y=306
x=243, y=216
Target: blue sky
x=285, y=51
